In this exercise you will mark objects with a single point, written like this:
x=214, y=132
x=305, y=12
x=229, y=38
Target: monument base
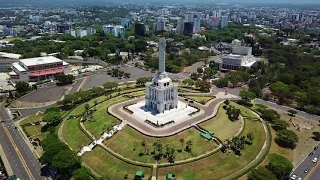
x=181, y=113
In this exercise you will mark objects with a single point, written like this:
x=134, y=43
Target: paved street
x=284, y=108
x=22, y=161
x=313, y=168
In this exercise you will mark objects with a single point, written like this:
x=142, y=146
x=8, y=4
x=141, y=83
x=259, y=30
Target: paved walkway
x=207, y=111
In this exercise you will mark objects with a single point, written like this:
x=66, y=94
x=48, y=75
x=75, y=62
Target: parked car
x=315, y=160
x=306, y=170
x=294, y=176
x=311, y=153
x=316, y=148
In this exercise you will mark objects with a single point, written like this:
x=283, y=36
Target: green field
x=245, y=112
x=187, y=90
x=106, y=164
x=220, y=164
x=33, y=131
x=201, y=99
x=72, y=134
x=101, y=118
x=222, y=126
x=128, y=143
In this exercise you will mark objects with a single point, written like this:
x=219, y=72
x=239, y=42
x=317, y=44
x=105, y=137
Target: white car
x=294, y=176
x=300, y=179
x=315, y=160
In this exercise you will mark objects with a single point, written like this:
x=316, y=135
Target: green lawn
x=32, y=119
x=128, y=143
x=187, y=90
x=222, y=126
x=200, y=99
x=33, y=131
x=137, y=94
x=72, y=134
x=102, y=118
x=220, y=164
x=107, y=165
x=245, y=112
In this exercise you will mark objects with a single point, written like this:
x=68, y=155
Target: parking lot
x=46, y=94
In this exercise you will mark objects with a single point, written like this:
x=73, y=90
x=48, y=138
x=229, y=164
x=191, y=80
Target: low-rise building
x=240, y=58
x=39, y=68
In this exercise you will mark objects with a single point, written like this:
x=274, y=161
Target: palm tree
x=181, y=141
x=143, y=144
x=189, y=145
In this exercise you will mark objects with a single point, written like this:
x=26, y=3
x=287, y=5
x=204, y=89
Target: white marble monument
x=161, y=93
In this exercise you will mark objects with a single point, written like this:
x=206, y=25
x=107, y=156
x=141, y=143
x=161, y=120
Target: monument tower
x=161, y=93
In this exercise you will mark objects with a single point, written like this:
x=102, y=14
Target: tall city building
x=196, y=24
x=224, y=21
x=139, y=29
x=188, y=17
x=213, y=21
x=217, y=13
x=126, y=23
x=188, y=28
x=160, y=24
x=180, y=26
x=81, y=33
x=161, y=93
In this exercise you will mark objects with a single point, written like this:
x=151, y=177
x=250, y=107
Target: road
x=284, y=108
x=313, y=168
x=21, y=159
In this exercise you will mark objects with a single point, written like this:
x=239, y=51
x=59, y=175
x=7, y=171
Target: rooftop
x=40, y=60
x=10, y=55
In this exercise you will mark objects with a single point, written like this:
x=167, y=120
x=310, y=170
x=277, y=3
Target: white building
x=40, y=68
x=91, y=31
x=240, y=58
x=188, y=17
x=160, y=24
x=71, y=32
x=161, y=93
x=196, y=24
x=81, y=33
x=217, y=13
x=198, y=36
x=117, y=30
x=224, y=21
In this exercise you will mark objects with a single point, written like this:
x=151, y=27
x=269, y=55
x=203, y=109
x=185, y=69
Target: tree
x=34, y=87
x=200, y=70
x=250, y=137
x=66, y=161
x=204, y=86
x=143, y=144
x=181, y=141
x=87, y=107
x=189, y=82
x=189, y=146
x=280, y=124
x=52, y=117
x=82, y=173
x=292, y=112
x=110, y=85
x=287, y=138
x=11, y=95
x=171, y=155
x=51, y=146
x=22, y=87
x=143, y=80
x=279, y=165
x=247, y=96
x=221, y=83
x=261, y=173
x=269, y=115
x=316, y=136
x=64, y=79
